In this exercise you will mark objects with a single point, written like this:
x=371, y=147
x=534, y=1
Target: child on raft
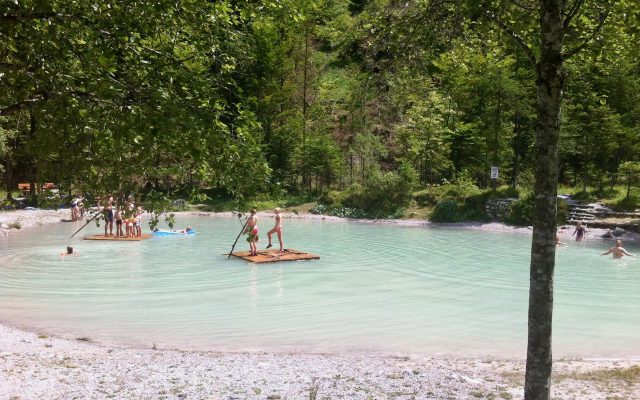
x=119, y=219
x=252, y=232
x=138, y=222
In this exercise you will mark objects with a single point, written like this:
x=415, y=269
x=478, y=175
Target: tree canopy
x=300, y=96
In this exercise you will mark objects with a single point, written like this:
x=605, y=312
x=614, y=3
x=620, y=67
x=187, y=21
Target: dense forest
x=366, y=100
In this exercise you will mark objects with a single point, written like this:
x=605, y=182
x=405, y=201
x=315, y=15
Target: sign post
x=494, y=177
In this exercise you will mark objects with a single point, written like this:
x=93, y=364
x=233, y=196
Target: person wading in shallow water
x=618, y=251
x=580, y=231
x=252, y=232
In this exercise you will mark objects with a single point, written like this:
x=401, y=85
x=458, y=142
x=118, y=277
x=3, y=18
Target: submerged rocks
x=617, y=232
x=497, y=208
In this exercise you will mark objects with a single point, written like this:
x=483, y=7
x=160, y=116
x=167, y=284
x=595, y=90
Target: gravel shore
x=37, y=366
x=14, y=221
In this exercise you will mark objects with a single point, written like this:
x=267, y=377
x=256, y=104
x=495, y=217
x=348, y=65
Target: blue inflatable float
x=164, y=232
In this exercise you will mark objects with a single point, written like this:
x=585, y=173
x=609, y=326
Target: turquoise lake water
x=376, y=288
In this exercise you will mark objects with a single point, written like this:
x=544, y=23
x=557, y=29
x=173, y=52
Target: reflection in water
x=253, y=287
x=376, y=287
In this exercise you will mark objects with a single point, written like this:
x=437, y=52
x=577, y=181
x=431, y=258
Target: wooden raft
x=118, y=239
x=270, y=256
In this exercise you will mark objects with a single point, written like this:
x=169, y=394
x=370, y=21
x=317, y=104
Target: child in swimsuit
x=138, y=221
x=252, y=232
x=579, y=231
x=118, y=216
x=276, y=229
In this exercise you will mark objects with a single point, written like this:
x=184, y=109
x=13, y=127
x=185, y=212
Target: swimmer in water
x=618, y=251
x=558, y=242
x=69, y=252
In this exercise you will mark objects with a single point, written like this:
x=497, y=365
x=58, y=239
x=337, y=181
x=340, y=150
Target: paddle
x=87, y=223
x=239, y=234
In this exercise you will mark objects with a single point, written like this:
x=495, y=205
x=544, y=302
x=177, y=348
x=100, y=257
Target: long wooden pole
x=239, y=234
x=87, y=223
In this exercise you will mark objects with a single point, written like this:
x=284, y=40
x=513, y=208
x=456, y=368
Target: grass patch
x=614, y=197
x=83, y=339
x=222, y=203
x=15, y=225
x=629, y=375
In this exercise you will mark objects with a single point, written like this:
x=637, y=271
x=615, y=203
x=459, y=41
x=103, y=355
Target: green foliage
x=338, y=211
x=385, y=194
x=520, y=212
x=447, y=211
x=267, y=100
x=627, y=203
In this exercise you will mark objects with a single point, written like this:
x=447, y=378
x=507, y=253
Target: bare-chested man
x=108, y=215
x=618, y=251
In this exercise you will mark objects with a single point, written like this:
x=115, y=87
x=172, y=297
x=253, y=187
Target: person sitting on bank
x=618, y=251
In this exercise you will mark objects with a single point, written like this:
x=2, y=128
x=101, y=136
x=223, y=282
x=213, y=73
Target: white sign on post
x=494, y=172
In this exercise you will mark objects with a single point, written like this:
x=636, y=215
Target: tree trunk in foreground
x=550, y=82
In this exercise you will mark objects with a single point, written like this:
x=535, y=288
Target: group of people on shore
x=127, y=216
x=580, y=232
x=251, y=230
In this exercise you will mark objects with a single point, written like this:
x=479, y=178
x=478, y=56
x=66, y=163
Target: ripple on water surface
x=376, y=287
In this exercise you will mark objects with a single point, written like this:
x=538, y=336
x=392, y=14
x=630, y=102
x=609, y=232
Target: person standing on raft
x=276, y=229
x=252, y=232
x=108, y=216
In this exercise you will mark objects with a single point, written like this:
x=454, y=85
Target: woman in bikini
x=276, y=229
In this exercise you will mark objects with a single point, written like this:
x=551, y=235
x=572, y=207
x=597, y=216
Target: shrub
x=332, y=198
x=426, y=197
x=385, y=195
x=319, y=209
x=584, y=197
x=474, y=207
x=627, y=203
x=447, y=211
x=563, y=211
x=520, y=212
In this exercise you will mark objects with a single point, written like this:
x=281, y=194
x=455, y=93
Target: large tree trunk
x=550, y=82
